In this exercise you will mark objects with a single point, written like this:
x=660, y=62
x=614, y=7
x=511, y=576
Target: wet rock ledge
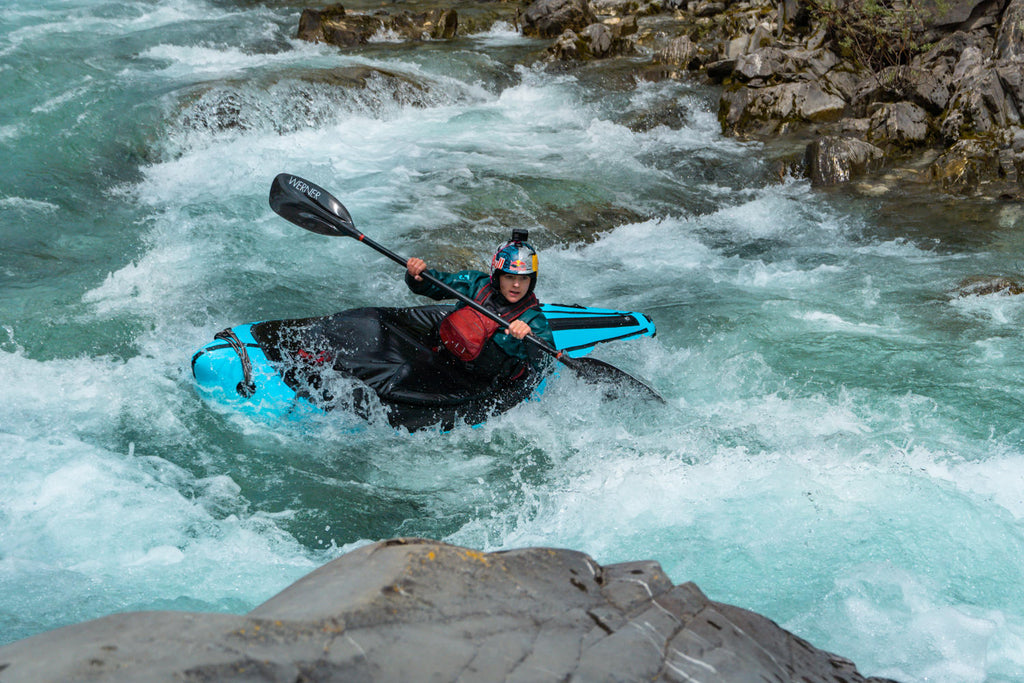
x=417, y=610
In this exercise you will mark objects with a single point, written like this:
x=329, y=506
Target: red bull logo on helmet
x=516, y=258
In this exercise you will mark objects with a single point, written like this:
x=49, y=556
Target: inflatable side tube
x=219, y=369
x=577, y=329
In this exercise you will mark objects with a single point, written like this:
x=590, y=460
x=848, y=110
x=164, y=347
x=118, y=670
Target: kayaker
x=473, y=338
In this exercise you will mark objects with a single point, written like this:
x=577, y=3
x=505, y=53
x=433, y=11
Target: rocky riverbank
x=417, y=610
x=927, y=93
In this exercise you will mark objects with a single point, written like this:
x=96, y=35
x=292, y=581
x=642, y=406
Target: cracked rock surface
x=419, y=610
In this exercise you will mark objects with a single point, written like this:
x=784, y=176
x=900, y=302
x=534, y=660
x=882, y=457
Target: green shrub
x=874, y=34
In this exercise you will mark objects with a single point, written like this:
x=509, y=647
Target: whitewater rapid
x=841, y=448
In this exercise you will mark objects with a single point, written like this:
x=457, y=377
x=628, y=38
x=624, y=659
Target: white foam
x=783, y=274
x=998, y=478
x=98, y=516
x=386, y=35
x=197, y=61
x=63, y=98
x=28, y=205
x=919, y=636
x=10, y=132
x=835, y=322
x=997, y=309
x=500, y=33
x=43, y=22
x=639, y=248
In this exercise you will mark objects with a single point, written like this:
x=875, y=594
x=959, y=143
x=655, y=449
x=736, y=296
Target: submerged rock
x=416, y=610
x=671, y=114
x=983, y=285
x=291, y=100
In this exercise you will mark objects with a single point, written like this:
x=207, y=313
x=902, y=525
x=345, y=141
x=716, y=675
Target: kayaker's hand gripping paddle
x=309, y=206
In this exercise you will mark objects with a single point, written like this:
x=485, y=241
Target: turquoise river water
x=842, y=448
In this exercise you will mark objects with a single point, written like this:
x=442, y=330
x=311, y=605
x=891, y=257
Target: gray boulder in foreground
x=418, y=610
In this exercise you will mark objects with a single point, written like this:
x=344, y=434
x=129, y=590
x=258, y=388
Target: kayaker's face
x=513, y=287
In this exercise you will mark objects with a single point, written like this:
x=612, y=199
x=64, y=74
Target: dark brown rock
x=984, y=285
x=778, y=108
x=599, y=39
x=923, y=87
x=335, y=26
x=550, y=18
x=311, y=22
x=680, y=51
x=832, y=160
x=949, y=13
x=942, y=58
x=1010, y=37
x=961, y=168
x=897, y=125
x=569, y=47
x=968, y=85
x=979, y=105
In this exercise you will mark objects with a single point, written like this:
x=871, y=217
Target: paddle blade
x=597, y=371
x=310, y=206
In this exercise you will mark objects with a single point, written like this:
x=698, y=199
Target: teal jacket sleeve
x=466, y=282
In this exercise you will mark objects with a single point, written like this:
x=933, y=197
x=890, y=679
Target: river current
x=841, y=449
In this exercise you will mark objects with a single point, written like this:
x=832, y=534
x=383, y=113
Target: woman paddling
x=474, y=339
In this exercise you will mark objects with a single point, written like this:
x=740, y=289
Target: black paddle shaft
x=311, y=207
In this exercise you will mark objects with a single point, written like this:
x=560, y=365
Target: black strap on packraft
x=246, y=387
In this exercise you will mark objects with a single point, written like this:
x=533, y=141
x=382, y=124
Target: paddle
x=311, y=207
